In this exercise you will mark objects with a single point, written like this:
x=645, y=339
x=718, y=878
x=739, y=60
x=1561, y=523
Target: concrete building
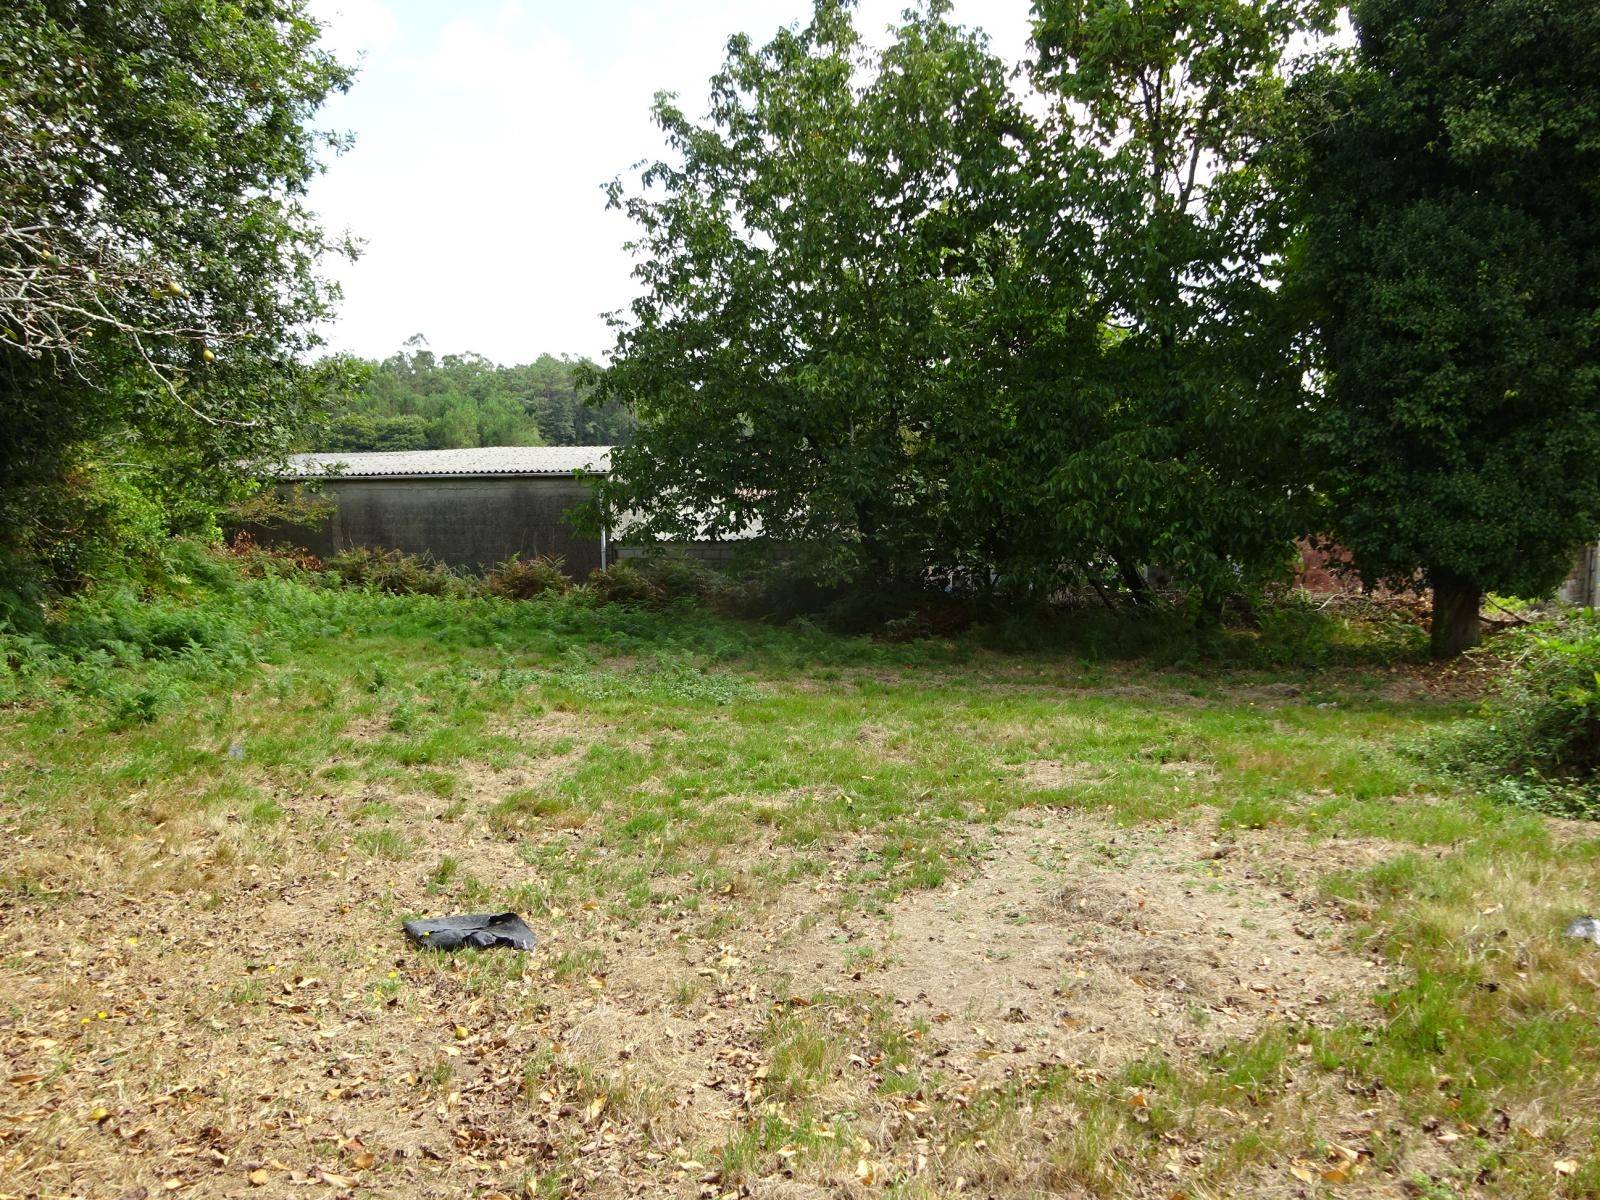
x=468, y=508
x=1583, y=585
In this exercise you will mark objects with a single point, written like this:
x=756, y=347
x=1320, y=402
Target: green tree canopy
x=416, y=400
x=804, y=349
x=891, y=318
x=1449, y=173
x=1180, y=445
x=158, y=267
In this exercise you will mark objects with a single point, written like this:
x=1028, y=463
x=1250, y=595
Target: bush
x=677, y=575
x=276, y=507
x=1540, y=730
x=524, y=578
x=396, y=572
x=623, y=583
x=256, y=561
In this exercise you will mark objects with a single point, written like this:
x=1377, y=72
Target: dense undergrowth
x=138, y=647
x=1536, y=740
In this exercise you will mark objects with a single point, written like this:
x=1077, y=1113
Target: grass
x=258, y=779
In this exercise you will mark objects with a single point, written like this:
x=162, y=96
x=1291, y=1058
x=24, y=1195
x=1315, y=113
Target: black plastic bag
x=480, y=930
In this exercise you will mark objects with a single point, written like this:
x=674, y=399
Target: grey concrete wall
x=713, y=554
x=472, y=523
x=1583, y=585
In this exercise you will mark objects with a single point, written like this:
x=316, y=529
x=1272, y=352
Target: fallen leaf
x=1566, y=1166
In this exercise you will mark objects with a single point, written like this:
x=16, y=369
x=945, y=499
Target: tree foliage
x=1182, y=451
x=1449, y=174
x=416, y=400
x=158, y=267
x=891, y=318
x=801, y=350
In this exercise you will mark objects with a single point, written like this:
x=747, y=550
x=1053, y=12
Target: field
x=1003, y=916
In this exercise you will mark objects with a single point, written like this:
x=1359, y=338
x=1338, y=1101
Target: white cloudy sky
x=484, y=130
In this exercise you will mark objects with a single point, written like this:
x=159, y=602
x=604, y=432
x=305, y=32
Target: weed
x=442, y=875
x=383, y=843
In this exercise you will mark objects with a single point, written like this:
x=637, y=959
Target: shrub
x=936, y=617
x=624, y=583
x=396, y=572
x=256, y=561
x=677, y=575
x=1541, y=726
x=275, y=507
x=524, y=578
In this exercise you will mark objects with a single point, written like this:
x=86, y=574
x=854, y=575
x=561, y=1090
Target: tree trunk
x=1088, y=573
x=1455, y=614
x=1134, y=581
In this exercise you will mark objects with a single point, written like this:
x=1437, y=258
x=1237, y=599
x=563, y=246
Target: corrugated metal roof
x=459, y=464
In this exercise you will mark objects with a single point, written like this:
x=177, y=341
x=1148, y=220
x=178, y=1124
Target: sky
x=484, y=131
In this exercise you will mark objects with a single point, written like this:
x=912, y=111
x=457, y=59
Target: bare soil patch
x=1048, y=774
x=1080, y=942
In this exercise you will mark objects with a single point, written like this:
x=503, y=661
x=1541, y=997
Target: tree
x=800, y=352
x=1449, y=173
x=457, y=425
x=504, y=422
x=1177, y=441
x=364, y=431
x=158, y=268
x=466, y=400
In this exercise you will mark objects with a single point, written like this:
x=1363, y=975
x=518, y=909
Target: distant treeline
x=415, y=400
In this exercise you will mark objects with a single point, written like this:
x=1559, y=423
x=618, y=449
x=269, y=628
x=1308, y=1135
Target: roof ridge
x=460, y=461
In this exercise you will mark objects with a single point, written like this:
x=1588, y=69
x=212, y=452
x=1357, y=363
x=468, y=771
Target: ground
x=817, y=918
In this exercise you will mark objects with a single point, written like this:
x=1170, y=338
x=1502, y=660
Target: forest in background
x=417, y=400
